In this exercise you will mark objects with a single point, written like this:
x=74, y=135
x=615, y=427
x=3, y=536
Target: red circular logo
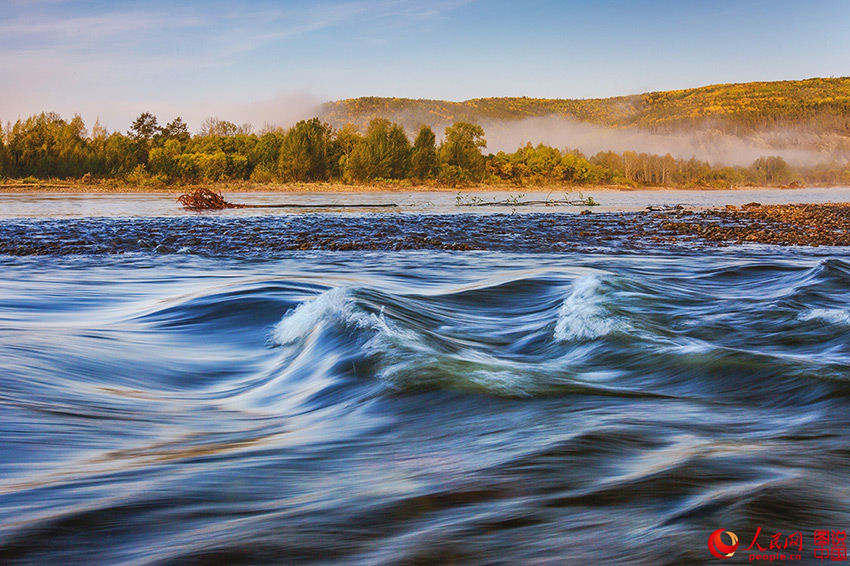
x=719, y=548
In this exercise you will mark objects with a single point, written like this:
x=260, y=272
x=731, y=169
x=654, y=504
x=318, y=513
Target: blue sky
x=264, y=61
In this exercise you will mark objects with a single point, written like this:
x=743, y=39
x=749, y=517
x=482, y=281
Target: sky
x=272, y=62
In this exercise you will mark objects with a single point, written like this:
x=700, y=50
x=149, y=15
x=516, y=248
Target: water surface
x=608, y=404
x=58, y=205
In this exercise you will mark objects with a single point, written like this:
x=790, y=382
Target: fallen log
x=205, y=199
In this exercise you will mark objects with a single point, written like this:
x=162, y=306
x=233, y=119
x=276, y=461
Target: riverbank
x=116, y=186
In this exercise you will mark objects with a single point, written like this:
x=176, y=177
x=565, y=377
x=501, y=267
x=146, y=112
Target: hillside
x=820, y=105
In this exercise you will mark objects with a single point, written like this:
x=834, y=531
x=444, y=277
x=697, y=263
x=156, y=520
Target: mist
x=710, y=145
x=281, y=111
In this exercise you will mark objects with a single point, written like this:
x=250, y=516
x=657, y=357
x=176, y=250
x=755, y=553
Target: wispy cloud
x=164, y=54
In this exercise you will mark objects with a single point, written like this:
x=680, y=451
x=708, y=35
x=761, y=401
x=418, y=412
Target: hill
x=819, y=105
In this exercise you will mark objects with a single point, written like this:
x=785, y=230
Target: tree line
x=47, y=146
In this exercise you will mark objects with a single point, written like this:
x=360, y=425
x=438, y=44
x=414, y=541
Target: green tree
x=176, y=130
x=164, y=159
x=461, y=151
x=423, y=158
x=304, y=152
x=770, y=170
x=120, y=155
x=142, y=132
x=144, y=128
x=47, y=146
x=344, y=141
x=3, y=165
x=212, y=167
x=573, y=169
x=384, y=153
x=265, y=154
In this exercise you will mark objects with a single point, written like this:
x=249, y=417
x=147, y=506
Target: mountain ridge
x=817, y=105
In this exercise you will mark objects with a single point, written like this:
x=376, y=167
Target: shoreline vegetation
x=45, y=152
x=108, y=186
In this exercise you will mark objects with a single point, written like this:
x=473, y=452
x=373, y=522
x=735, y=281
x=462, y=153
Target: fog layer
x=711, y=145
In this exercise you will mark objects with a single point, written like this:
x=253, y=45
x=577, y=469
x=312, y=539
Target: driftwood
x=205, y=199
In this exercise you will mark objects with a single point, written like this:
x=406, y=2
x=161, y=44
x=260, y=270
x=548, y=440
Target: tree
x=304, y=152
x=384, y=153
x=3, y=166
x=47, y=146
x=144, y=128
x=176, y=130
x=344, y=141
x=120, y=155
x=142, y=132
x=461, y=150
x=212, y=126
x=771, y=170
x=164, y=159
x=267, y=151
x=423, y=158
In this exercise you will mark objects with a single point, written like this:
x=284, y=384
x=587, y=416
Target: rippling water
x=419, y=407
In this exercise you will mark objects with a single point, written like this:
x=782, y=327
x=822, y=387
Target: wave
x=457, y=408
x=399, y=354
x=584, y=314
x=830, y=316
x=608, y=336
x=296, y=344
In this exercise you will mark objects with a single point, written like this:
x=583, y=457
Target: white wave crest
x=583, y=315
x=334, y=306
x=830, y=316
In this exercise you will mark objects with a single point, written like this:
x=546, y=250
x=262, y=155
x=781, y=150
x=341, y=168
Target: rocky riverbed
x=784, y=225
x=263, y=235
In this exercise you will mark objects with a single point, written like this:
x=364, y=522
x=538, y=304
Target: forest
x=153, y=155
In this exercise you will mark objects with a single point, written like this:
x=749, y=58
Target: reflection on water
x=420, y=407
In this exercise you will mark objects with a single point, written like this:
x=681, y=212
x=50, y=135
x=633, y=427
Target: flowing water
x=244, y=403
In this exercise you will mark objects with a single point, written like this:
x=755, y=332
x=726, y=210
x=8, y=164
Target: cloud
x=117, y=59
